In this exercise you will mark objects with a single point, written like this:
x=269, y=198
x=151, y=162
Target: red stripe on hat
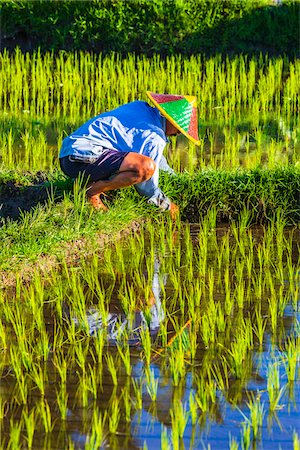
x=165, y=98
x=193, y=127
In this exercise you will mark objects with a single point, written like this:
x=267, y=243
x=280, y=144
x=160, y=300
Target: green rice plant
x=125, y=357
x=60, y=364
x=240, y=293
x=92, y=381
x=208, y=329
x=81, y=352
x=151, y=384
x=62, y=401
x=44, y=412
x=296, y=441
x=14, y=435
x=96, y=437
x=233, y=444
x=229, y=299
x=193, y=408
x=205, y=394
x=179, y=417
x=82, y=392
x=246, y=436
x=291, y=357
x=256, y=409
x=114, y=416
x=146, y=344
x=30, y=424
x=273, y=386
x=138, y=394
x=3, y=339
x=112, y=368
x=38, y=375
x=221, y=375
x=42, y=345
x=164, y=440
x=99, y=342
x=79, y=200
x=127, y=401
x=3, y=409
x=238, y=353
x=260, y=326
x=22, y=385
x=177, y=364
x=273, y=311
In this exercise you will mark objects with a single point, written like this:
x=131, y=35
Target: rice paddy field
x=181, y=335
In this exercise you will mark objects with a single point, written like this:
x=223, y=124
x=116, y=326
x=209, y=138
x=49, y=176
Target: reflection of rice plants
x=216, y=301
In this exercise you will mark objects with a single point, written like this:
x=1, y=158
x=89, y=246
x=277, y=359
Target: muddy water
x=216, y=424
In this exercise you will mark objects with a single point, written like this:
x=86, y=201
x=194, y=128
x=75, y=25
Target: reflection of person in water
x=117, y=322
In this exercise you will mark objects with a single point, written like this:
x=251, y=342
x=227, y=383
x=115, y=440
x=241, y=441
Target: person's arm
x=163, y=165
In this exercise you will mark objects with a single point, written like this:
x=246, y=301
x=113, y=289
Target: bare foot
x=96, y=202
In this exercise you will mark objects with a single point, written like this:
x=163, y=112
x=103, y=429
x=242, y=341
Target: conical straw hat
x=181, y=111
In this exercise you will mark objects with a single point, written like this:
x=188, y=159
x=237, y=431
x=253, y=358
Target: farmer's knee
x=147, y=169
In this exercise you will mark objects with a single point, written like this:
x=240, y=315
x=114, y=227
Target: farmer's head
x=171, y=130
x=180, y=112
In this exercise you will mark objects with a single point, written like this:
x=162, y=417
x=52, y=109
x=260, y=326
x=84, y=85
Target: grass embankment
x=63, y=226
x=58, y=225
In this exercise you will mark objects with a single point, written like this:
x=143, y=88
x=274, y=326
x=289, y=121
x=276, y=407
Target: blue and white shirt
x=133, y=127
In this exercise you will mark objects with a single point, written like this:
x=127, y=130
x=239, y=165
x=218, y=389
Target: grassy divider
x=261, y=191
x=65, y=227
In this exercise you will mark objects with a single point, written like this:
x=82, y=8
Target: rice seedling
x=3, y=340
x=260, y=325
x=205, y=394
x=233, y=444
x=273, y=386
x=291, y=358
x=37, y=373
x=256, y=410
x=62, y=401
x=193, y=411
x=96, y=437
x=112, y=368
x=246, y=436
x=127, y=402
x=138, y=394
x=114, y=416
x=125, y=357
x=179, y=418
x=146, y=344
x=30, y=423
x=296, y=441
x=15, y=434
x=164, y=440
x=151, y=384
x=44, y=413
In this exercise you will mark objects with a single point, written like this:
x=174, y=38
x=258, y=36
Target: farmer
x=125, y=146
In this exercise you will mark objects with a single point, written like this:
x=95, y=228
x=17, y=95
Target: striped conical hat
x=180, y=110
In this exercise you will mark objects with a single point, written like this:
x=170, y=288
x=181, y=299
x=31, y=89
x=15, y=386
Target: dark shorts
x=102, y=169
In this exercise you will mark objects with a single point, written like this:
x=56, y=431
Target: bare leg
x=135, y=168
